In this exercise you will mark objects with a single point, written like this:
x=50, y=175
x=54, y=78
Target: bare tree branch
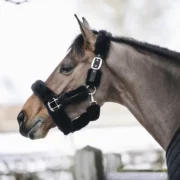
x=17, y=1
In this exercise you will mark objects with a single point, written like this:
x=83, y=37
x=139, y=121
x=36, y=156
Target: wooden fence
x=89, y=166
x=89, y=163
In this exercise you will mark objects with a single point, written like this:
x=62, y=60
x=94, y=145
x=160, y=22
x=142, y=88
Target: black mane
x=77, y=45
x=161, y=51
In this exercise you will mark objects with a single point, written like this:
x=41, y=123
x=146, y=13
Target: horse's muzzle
x=23, y=130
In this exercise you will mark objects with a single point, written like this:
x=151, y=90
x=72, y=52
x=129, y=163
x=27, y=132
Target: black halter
x=56, y=104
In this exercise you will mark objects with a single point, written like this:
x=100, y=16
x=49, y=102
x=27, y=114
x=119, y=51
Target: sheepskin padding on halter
x=60, y=117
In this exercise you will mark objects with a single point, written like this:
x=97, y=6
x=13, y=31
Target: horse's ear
x=87, y=33
x=86, y=23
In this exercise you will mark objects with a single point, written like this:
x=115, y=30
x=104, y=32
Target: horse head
x=35, y=118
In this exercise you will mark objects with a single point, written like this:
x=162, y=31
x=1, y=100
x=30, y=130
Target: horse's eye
x=66, y=70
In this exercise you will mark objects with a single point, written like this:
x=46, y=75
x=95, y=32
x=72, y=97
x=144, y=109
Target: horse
x=100, y=68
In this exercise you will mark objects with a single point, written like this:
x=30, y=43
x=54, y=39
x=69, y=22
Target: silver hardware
x=96, y=63
x=91, y=92
x=54, y=101
x=76, y=118
x=92, y=99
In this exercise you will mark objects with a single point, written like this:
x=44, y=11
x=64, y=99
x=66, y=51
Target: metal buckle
x=53, y=104
x=96, y=63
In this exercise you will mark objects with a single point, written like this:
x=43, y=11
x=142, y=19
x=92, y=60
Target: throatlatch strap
x=92, y=114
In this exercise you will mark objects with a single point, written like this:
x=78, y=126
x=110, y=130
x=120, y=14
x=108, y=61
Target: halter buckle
x=53, y=104
x=96, y=63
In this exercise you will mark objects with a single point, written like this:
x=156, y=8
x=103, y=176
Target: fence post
x=112, y=162
x=89, y=164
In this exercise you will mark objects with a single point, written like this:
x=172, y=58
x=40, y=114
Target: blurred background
x=34, y=37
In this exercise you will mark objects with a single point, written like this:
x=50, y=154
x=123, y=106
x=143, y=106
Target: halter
x=56, y=104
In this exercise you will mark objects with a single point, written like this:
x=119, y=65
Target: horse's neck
x=149, y=87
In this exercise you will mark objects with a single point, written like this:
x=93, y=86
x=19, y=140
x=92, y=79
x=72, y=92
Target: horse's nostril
x=21, y=117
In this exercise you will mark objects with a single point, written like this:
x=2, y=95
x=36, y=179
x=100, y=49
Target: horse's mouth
x=34, y=132
x=34, y=129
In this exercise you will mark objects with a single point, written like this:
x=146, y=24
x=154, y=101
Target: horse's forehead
x=74, y=57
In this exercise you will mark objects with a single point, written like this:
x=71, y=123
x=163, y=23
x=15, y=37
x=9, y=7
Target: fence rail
x=137, y=176
x=89, y=164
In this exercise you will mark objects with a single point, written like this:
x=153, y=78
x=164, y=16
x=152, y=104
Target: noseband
x=56, y=104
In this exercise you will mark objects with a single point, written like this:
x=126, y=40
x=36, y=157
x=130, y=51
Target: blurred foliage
x=131, y=18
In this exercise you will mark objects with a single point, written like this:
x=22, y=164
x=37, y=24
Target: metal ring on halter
x=89, y=90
